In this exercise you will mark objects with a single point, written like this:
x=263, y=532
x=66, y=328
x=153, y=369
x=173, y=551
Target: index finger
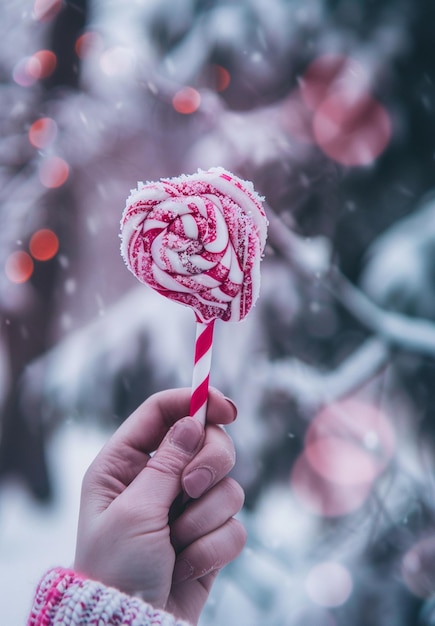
x=213, y=461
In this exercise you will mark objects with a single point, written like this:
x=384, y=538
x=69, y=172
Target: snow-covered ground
x=34, y=538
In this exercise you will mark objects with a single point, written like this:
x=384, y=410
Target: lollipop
x=198, y=240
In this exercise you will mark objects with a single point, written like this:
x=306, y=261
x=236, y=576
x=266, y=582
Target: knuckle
x=224, y=455
x=234, y=493
x=164, y=464
x=239, y=535
x=218, y=549
x=235, y=540
x=213, y=557
x=197, y=525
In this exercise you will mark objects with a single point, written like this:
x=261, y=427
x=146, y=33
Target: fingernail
x=233, y=406
x=186, y=434
x=198, y=481
x=182, y=571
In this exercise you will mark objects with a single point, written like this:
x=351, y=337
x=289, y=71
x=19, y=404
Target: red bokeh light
x=45, y=10
x=53, y=172
x=87, y=42
x=44, y=244
x=42, y=132
x=42, y=64
x=30, y=69
x=186, y=100
x=222, y=78
x=19, y=267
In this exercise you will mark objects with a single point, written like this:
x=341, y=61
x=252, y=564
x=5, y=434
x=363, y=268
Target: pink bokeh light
x=53, y=172
x=352, y=128
x=335, y=109
x=322, y=497
x=42, y=132
x=347, y=447
x=350, y=442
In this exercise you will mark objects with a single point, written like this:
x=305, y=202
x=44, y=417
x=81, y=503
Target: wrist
x=66, y=598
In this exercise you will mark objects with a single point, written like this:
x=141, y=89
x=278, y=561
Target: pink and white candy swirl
x=198, y=240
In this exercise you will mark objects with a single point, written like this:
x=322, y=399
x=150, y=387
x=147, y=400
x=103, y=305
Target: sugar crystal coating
x=198, y=240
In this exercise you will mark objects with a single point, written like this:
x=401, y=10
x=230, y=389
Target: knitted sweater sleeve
x=64, y=598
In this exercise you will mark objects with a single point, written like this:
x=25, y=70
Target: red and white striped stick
x=201, y=370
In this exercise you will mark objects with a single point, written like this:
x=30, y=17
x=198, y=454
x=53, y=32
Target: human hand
x=133, y=533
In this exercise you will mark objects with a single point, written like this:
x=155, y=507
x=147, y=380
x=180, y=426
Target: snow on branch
x=414, y=334
x=312, y=388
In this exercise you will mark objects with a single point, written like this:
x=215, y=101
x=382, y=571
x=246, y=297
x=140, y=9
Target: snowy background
x=328, y=107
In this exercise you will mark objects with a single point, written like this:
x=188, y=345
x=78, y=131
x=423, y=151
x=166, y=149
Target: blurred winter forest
x=328, y=107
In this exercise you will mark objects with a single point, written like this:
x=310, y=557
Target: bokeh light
x=341, y=461
x=42, y=132
x=30, y=69
x=322, y=497
x=418, y=571
x=329, y=73
x=350, y=442
x=348, y=123
x=222, y=78
x=352, y=128
x=329, y=584
x=21, y=74
x=86, y=43
x=42, y=64
x=19, y=267
x=187, y=100
x=44, y=244
x=53, y=172
x=347, y=446
x=45, y=10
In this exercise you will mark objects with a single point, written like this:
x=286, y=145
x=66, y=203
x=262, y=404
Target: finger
x=146, y=427
x=211, y=552
x=127, y=451
x=160, y=481
x=205, y=515
x=215, y=459
x=188, y=598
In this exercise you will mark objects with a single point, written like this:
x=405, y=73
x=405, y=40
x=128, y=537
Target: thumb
x=159, y=483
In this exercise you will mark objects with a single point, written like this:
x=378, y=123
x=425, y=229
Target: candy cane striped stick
x=201, y=370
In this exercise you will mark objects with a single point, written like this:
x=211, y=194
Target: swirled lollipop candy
x=198, y=240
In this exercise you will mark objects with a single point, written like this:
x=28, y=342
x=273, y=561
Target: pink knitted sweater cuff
x=64, y=598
